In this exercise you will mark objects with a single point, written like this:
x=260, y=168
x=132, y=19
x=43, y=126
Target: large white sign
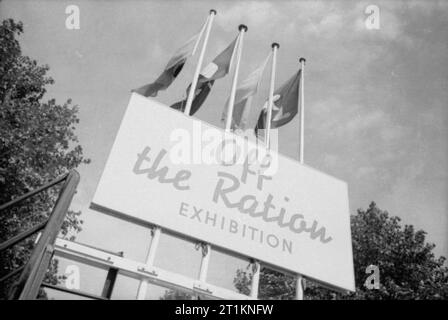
x=174, y=171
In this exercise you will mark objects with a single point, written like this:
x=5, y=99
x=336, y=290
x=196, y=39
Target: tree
x=172, y=294
x=406, y=262
x=37, y=144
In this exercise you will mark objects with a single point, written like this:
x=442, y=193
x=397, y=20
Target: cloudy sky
x=376, y=100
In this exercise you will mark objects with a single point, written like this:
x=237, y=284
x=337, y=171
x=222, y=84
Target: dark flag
x=216, y=69
x=285, y=104
x=172, y=69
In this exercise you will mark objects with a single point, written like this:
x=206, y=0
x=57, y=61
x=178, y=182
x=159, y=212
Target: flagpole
x=199, y=65
x=267, y=132
x=299, y=278
x=196, y=45
x=243, y=29
x=302, y=110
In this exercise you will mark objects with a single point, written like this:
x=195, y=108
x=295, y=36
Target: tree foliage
x=37, y=144
x=172, y=294
x=408, y=267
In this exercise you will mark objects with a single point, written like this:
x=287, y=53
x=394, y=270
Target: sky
x=376, y=99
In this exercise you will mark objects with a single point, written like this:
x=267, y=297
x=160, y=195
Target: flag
x=285, y=104
x=243, y=97
x=173, y=67
x=216, y=69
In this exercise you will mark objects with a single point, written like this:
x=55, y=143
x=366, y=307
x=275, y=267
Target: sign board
x=174, y=171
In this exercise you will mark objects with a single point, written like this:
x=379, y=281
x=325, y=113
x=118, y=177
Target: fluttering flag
x=173, y=67
x=244, y=93
x=285, y=104
x=216, y=69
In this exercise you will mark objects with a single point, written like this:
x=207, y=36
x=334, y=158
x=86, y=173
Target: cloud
x=354, y=126
x=157, y=53
x=365, y=172
x=331, y=160
x=255, y=14
x=427, y=7
x=420, y=202
x=362, y=145
x=324, y=24
x=347, y=120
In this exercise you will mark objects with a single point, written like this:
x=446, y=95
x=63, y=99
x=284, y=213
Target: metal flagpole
x=302, y=109
x=199, y=65
x=243, y=29
x=267, y=133
x=196, y=45
x=299, y=279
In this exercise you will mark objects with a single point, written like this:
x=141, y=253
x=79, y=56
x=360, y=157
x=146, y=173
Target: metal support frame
x=33, y=272
x=200, y=287
x=158, y=276
x=70, y=291
x=147, y=273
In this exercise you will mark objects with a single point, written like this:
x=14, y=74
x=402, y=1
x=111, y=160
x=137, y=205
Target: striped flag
x=216, y=69
x=243, y=97
x=173, y=67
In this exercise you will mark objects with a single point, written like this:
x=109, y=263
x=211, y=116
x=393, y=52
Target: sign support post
x=204, y=263
x=299, y=287
x=141, y=293
x=255, y=281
